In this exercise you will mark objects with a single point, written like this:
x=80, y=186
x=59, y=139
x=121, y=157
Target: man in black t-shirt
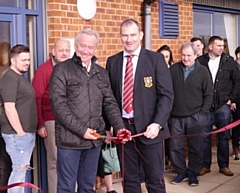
x=19, y=115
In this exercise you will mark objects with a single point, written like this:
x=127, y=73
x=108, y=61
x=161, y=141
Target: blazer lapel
x=140, y=67
x=119, y=65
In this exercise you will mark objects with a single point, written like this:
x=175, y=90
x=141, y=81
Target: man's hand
x=229, y=102
x=42, y=132
x=89, y=134
x=233, y=107
x=108, y=134
x=152, y=131
x=124, y=135
x=21, y=133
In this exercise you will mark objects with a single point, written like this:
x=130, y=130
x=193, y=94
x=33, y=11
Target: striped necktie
x=128, y=86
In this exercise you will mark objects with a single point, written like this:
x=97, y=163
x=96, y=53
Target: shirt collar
x=217, y=58
x=191, y=68
x=89, y=66
x=136, y=53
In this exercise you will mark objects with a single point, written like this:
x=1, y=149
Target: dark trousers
x=75, y=165
x=236, y=130
x=191, y=125
x=221, y=117
x=5, y=165
x=152, y=165
x=207, y=141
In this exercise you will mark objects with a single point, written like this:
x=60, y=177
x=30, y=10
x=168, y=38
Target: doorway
x=21, y=22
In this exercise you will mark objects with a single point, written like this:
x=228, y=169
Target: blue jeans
x=20, y=150
x=221, y=117
x=77, y=165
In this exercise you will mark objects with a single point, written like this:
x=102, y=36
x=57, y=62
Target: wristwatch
x=160, y=127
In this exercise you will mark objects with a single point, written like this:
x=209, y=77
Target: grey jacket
x=78, y=100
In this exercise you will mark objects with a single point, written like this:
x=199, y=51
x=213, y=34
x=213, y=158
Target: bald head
x=61, y=50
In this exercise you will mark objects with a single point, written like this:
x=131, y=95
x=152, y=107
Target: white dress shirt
x=134, y=61
x=213, y=65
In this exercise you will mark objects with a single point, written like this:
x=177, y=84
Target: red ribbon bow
x=122, y=134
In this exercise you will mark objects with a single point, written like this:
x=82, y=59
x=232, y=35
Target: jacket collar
x=78, y=60
x=223, y=57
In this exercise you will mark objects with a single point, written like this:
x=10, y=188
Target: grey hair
x=86, y=31
x=189, y=44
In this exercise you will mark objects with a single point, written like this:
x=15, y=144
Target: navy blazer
x=153, y=91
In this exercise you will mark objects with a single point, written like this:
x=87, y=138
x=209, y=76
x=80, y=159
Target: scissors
x=95, y=134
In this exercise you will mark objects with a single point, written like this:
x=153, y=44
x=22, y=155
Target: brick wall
x=64, y=22
x=185, y=28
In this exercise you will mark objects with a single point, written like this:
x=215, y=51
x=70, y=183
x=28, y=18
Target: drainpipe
x=147, y=26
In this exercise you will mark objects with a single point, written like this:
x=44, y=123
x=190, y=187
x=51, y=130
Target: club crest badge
x=148, y=82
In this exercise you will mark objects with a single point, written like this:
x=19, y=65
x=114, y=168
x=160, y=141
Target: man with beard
x=19, y=115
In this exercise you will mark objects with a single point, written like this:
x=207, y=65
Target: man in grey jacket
x=80, y=95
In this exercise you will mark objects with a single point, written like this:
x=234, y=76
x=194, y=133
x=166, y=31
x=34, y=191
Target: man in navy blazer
x=152, y=103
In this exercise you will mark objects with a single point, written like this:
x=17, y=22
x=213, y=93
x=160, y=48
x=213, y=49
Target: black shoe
x=179, y=178
x=193, y=181
x=236, y=157
x=112, y=191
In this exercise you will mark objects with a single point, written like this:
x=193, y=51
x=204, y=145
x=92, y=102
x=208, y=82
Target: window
x=9, y=3
x=30, y=4
x=221, y=22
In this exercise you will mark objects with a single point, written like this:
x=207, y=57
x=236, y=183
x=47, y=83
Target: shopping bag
x=110, y=157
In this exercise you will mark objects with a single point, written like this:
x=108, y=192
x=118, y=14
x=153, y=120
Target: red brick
x=64, y=21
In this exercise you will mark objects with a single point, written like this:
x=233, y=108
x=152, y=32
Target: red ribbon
x=227, y=127
x=22, y=184
x=124, y=134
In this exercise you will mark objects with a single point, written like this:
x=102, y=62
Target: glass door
x=21, y=22
x=7, y=39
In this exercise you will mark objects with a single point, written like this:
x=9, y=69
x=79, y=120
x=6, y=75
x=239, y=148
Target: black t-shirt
x=17, y=89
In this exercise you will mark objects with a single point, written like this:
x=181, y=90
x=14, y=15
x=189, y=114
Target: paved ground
x=213, y=182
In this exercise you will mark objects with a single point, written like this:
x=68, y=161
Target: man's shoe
x=112, y=191
x=193, y=180
x=236, y=157
x=179, y=178
x=226, y=171
x=204, y=171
